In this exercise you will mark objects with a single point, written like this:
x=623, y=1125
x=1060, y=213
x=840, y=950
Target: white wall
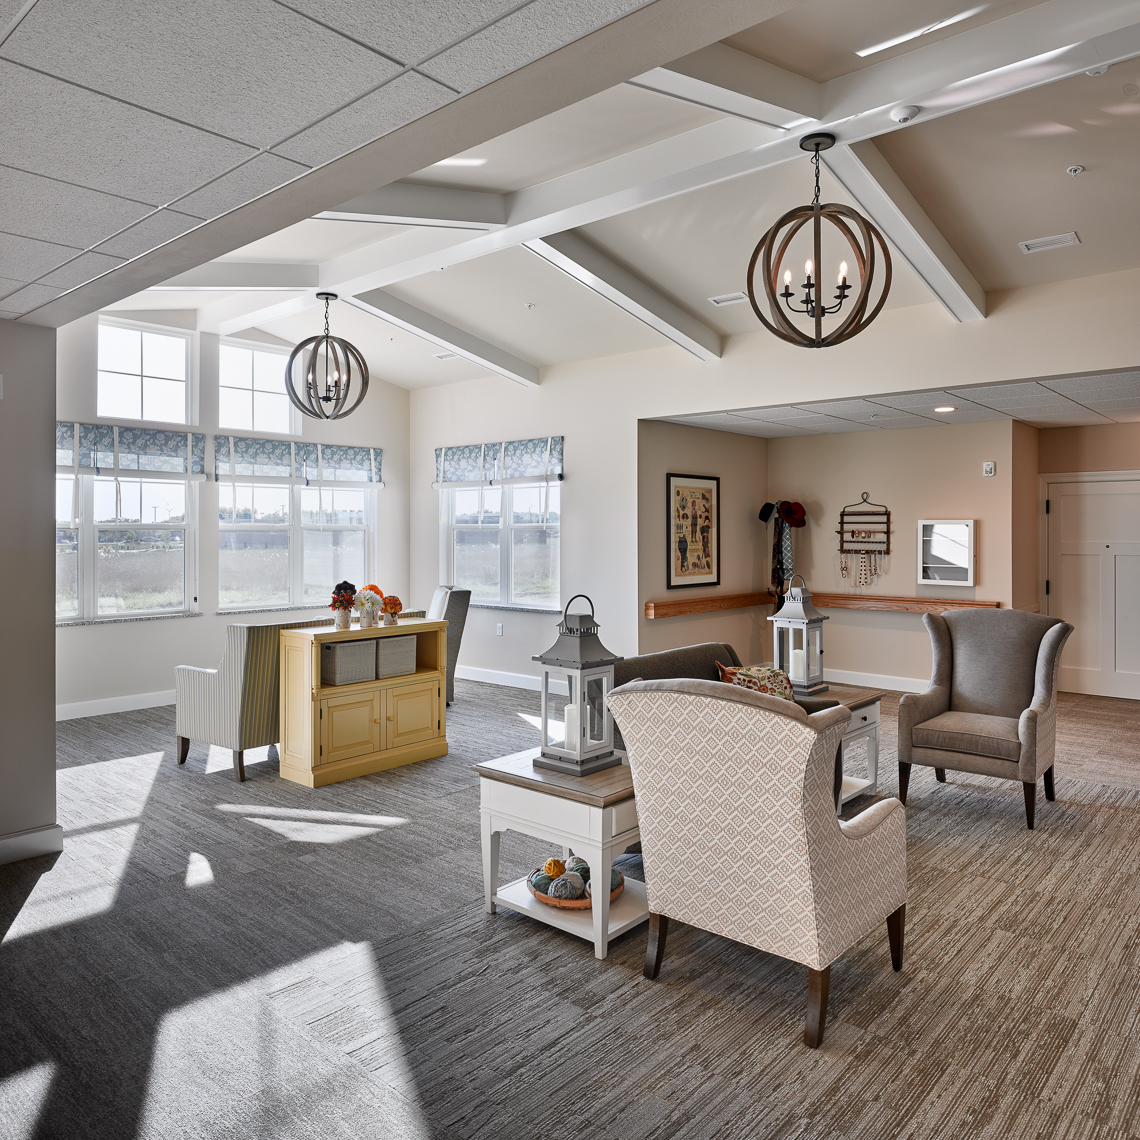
x=113, y=666
x=27, y=569
x=1041, y=331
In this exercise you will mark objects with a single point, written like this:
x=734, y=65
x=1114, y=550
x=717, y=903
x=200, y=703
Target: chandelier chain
x=814, y=201
x=327, y=300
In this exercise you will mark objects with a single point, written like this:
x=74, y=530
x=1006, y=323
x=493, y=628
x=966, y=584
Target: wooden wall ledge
x=823, y=601
x=680, y=606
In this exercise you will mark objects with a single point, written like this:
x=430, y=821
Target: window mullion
x=88, y=553
x=505, y=538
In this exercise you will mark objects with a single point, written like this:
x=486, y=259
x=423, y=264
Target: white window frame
x=505, y=528
x=88, y=561
x=191, y=375
x=296, y=530
x=257, y=346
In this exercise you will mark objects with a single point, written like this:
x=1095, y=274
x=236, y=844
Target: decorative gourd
x=540, y=881
x=567, y=886
x=554, y=867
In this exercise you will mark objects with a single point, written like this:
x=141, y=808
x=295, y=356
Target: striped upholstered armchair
x=237, y=705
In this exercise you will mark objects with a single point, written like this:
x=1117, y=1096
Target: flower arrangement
x=392, y=604
x=369, y=599
x=343, y=596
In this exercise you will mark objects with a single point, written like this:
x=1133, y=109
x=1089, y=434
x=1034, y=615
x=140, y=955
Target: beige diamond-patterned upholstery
x=737, y=816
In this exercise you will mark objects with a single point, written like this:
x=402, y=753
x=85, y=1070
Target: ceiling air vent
x=1039, y=245
x=445, y=355
x=728, y=299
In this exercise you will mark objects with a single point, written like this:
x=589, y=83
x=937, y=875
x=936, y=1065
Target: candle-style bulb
x=787, y=277
x=807, y=267
x=842, y=272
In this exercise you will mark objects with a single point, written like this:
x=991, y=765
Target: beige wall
x=919, y=473
x=27, y=569
x=1023, y=517
x=741, y=463
x=142, y=654
x=1106, y=447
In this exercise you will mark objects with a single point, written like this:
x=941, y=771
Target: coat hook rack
x=864, y=540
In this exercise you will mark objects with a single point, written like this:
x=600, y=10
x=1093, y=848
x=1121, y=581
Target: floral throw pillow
x=760, y=679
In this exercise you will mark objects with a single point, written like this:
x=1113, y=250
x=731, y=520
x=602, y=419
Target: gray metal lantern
x=798, y=632
x=584, y=741
x=324, y=372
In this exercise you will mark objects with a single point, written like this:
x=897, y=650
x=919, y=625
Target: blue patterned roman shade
x=244, y=457
x=517, y=460
x=112, y=450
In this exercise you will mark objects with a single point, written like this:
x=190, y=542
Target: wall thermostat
x=989, y=468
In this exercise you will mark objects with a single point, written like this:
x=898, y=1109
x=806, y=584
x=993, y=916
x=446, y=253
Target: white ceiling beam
x=580, y=260
x=436, y=330
x=405, y=204
x=1032, y=47
x=879, y=192
x=234, y=314
x=228, y=276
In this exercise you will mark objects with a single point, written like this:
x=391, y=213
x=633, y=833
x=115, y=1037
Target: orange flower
x=392, y=604
x=375, y=589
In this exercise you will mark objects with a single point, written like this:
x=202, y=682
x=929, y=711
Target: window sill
x=515, y=609
x=270, y=610
x=120, y=620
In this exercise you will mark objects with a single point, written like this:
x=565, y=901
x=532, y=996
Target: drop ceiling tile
x=156, y=230
x=249, y=181
x=402, y=101
x=863, y=411
x=924, y=403
x=30, y=297
x=1077, y=387
x=253, y=71
x=1074, y=416
x=799, y=419
x=25, y=259
x=409, y=31
x=522, y=37
x=775, y=414
x=1009, y=395
x=1114, y=408
x=39, y=207
x=9, y=315
x=54, y=128
x=84, y=268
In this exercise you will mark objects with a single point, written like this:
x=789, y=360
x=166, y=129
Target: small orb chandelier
x=774, y=245
x=323, y=383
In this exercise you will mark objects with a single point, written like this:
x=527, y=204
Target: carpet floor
x=212, y=959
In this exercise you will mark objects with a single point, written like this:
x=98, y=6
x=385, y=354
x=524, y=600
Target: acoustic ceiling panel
x=1009, y=396
x=864, y=411
x=25, y=259
x=152, y=231
x=28, y=298
x=248, y=181
x=83, y=268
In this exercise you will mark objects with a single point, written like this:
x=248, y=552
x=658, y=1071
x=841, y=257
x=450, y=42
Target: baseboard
x=28, y=844
x=497, y=677
x=114, y=705
x=876, y=681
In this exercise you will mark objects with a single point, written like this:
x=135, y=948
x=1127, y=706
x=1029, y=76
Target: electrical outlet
x=989, y=468
x=499, y=630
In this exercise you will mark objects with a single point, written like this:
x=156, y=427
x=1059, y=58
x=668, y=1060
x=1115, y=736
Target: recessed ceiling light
x=921, y=31
x=946, y=408
x=461, y=162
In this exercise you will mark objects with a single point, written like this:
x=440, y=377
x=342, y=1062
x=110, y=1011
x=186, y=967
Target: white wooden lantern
x=798, y=634
x=584, y=741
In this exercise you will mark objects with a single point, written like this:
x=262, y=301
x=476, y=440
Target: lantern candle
x=797, y=669
x=570, y=721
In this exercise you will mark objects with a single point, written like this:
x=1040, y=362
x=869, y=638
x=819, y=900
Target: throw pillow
x=773, y=682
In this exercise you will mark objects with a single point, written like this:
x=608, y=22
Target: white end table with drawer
x=593, y=816
x=864, y=706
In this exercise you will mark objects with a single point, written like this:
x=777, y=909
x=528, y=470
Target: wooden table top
x=853, y=696
x=602, y=789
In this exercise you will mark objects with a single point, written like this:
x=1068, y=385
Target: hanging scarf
x=782, y=567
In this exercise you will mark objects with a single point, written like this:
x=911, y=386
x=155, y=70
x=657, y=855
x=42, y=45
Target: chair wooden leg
x=940, y=775
x=896, y=925
x=1050, y=793
x=819, y=982
x=655, y=948
x=239, y=764
x=182, y=748
x=1030, y=790
x=904, y=780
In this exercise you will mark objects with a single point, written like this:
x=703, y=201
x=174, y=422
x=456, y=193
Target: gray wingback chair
x=738, y=826
x=450, y=605
x=992, y=703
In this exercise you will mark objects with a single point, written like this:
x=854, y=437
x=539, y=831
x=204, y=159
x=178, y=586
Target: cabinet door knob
x=376, y=721
x=389, y=718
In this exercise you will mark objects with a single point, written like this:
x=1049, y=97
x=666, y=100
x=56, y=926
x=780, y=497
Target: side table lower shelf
x=629, y=909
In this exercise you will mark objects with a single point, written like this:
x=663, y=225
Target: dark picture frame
x=692, y=530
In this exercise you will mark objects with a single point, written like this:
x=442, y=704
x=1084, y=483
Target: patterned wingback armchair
x=991, y=707
x=237, y=705
x=738, y=829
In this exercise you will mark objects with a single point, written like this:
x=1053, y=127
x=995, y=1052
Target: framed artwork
x=693, y=530
x=946, y=552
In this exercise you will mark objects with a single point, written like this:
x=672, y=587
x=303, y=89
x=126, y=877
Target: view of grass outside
x=477, y=563
x=534, y=568
x=331, y=556
x=253, y=568
x=66, y=573
x=141, y=570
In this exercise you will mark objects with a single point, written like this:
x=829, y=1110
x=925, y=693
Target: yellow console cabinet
x=336, y=732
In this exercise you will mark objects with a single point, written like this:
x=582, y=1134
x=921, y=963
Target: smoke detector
x=1100, y=69
x=1075, y=170
x=904, y=114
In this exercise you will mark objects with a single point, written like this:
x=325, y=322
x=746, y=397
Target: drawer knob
x=388, y=718
x=377, y=720
x=864, y=718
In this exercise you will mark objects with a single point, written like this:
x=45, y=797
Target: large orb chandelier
x=862, y=237
x=328, y=370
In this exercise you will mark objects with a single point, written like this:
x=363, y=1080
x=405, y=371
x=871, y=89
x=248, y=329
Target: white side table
x=864, y=706
x=593, y=816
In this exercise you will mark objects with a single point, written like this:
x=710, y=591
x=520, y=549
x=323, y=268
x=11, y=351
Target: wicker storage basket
x=395, y=656
x=347, y=662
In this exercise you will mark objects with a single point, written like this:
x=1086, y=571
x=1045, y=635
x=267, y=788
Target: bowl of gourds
x=567, y=885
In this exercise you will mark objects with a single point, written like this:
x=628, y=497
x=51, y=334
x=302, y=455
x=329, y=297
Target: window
x=283, y=545
x=142, y=374
x=251, y=390
x=502, y=543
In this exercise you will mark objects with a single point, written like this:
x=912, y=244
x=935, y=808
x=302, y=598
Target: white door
x=1094, y=584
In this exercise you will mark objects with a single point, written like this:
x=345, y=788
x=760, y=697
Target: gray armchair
x=992, y=703
x=450, y=605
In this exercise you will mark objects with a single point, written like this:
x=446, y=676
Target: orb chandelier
x=328, y=370
x=862, y=237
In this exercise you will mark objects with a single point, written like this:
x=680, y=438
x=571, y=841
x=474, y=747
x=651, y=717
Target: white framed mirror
x=946, y=552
